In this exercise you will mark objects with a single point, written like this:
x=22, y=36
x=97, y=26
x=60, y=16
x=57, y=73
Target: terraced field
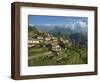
x=41, y=56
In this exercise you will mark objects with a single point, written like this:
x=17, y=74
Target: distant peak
x=80, y=24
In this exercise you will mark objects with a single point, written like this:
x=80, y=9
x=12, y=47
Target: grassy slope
x=69, y=56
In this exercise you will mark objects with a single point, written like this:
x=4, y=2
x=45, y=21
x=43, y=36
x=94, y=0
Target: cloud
x=31, y=25
x=80, y=24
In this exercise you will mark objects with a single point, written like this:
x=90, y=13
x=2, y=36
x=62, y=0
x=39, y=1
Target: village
x=53, y=44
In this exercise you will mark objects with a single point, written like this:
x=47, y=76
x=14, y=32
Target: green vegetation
x=65, y=57
x=72, y=52
x=36, y=50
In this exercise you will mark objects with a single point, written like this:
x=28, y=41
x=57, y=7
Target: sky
x=54, y=20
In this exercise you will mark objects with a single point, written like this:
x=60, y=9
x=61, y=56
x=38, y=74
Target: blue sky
x=54, y=20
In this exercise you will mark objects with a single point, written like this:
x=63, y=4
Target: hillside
x=59, y=46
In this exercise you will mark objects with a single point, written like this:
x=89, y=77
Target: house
x=61, y=39
x=54, y=39
x=40, y=38
x=32, y=42
x=48, y=38
x=56, y=48
x=65, y=41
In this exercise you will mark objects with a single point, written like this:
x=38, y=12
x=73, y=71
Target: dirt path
x=39, y=55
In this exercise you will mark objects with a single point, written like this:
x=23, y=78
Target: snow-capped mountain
x=76, y=27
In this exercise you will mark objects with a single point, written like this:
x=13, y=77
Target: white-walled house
x=40, y=38
x=33, y=41
x=48, y=38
